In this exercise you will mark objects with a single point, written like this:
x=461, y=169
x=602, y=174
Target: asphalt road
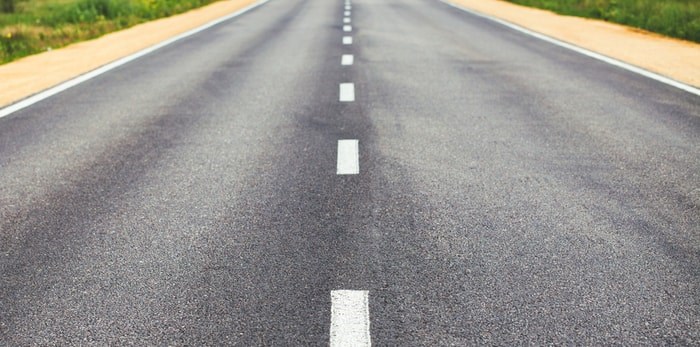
x=509, y=191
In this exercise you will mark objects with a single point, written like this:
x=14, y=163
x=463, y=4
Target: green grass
x=32, y=26
x=676, y=18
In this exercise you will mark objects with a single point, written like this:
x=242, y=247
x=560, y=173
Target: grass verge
x=676, y=18
x=33, y=26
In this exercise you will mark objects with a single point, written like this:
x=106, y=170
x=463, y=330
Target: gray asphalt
x=510, y=192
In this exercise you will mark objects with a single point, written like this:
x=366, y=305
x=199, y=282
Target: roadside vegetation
x=32, y=26
x=676, y=18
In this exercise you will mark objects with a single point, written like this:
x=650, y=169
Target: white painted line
x=346, y=20
x=347, y=92
x=350, y=318
x=348, y=7
x=346, y=13
x=347, y=28
x=347, y=59
x=117, y=63
x=348, y=157
x=586, y=52
x=347, y=40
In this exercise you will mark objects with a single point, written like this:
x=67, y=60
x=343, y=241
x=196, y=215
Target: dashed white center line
x=348, y=7
x=346, y=13
x=347, y=40
x=347, y=59
x=350, y=318
x=347, y=28
x=347, y=92
x=348, y=157
x=346, y=20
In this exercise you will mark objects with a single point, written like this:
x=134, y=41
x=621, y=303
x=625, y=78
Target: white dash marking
x=348, y=7
x=350, y=318
x=348, y=157
x=347, y=28
x=346, y=13
x=346, y=20
x=347, y=92
x=347, y=40
x=347, y=59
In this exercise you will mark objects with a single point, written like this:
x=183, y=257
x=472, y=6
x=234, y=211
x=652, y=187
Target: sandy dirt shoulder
x=677, y=59
x=674, y=58
x=27, y=76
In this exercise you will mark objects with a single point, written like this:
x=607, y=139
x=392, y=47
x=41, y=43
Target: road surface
x=454, y=182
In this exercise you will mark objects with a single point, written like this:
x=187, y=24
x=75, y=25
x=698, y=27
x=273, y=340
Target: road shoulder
x=674, y=58
x=33, y=74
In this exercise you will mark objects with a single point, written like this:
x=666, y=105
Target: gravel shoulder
x=33, y=74
x=674, y=58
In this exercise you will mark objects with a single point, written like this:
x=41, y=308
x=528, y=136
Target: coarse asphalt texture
x=510, y=191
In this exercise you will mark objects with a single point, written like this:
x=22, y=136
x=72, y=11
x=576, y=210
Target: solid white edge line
x=347, y=40
x=584, y=51
x=350, y=319
x=347, y=59
x=348, y=162
x=119, y=62
x=347, y=92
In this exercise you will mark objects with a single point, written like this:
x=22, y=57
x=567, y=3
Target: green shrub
x=7, y=6
x=13, y=45
x=37, y=25
x=677, y=18
x=89, y=11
